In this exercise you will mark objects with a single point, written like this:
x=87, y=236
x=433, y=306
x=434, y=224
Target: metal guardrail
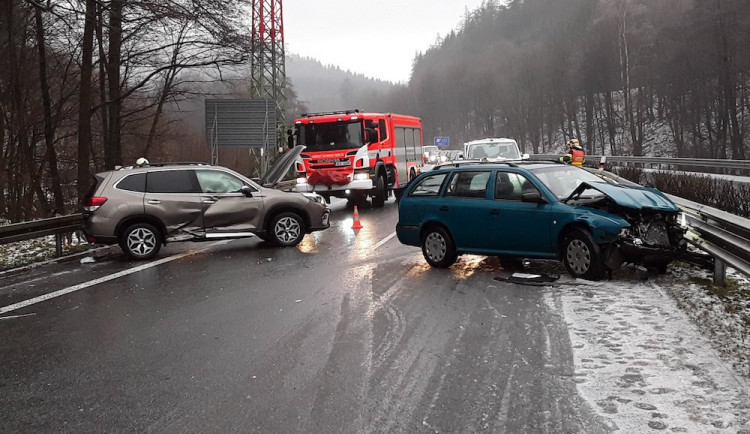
x=56, y=226
x=659, y=161
x=724, y=236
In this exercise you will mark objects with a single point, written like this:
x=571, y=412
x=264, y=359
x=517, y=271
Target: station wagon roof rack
x=477, y=163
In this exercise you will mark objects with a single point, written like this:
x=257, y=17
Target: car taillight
x=93, y=203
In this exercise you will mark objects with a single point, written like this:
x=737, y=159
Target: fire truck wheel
x=378, y=197
x=438, y=248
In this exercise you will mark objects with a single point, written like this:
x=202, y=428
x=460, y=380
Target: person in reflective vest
x=575, y=156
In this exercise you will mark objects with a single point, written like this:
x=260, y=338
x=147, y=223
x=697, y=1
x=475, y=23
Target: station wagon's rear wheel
x=287, y=229
x=581, y=255
x=438, y=248
x=140, y=241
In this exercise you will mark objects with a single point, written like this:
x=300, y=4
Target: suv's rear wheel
x=140, y=241
x=438, y=248
x=581, y=255
x=287, y=229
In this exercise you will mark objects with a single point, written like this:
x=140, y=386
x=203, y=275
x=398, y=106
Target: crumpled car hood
x=638, y=198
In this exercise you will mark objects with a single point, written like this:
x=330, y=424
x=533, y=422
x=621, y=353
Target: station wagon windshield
x=562, y=180
x=331, y=136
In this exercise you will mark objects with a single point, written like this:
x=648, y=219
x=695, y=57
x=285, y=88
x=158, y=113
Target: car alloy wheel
x=287, y=229
x=141, y=241
x=438, y=248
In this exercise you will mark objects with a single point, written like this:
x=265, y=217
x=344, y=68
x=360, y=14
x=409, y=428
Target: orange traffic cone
x=356, y=224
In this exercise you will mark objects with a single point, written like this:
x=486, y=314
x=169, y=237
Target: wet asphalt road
x=348, y=332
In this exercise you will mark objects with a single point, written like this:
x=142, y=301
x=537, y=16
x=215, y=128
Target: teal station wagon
x=540, y=210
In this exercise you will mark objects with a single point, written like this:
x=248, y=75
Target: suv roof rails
x=171, y=163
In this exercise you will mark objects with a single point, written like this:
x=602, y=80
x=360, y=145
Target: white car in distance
x=493, y=149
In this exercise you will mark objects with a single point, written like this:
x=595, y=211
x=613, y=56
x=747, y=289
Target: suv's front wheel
x=140, y=241
x=287, y=229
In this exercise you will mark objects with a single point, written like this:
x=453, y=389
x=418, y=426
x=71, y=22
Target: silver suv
x=143, y=207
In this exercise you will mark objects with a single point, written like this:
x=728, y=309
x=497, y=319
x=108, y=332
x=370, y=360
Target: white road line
x=103, y=279
x=383, y=241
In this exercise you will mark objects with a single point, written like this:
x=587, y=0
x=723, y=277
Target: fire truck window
x=382, y=129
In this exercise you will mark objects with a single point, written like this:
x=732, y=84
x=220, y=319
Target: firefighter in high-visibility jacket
x=575, y=156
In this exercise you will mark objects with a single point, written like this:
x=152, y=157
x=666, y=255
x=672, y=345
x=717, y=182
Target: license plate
x=342, y=163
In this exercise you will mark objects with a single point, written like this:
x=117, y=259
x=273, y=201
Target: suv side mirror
x=533, y=197
x=246, y=190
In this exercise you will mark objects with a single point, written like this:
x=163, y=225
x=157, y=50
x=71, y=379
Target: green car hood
x=638, y=198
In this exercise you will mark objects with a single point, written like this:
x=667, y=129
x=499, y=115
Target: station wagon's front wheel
x=287, y=229
x=581, y=255
x=140, y=241
x=438, y=248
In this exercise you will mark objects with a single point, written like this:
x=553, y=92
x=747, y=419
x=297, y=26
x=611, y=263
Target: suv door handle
x=154, y=202
x=495, y=212
x=443, y=208
x=208, y=201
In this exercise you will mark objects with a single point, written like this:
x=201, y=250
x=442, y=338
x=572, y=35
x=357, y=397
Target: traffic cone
x=356, y=224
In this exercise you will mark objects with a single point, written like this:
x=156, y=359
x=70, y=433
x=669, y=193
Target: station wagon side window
x=429, y=185
x=214, y=181
x=469, y=184
x=512, y=186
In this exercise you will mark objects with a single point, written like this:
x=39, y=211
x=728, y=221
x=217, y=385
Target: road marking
x=383, y=241
x=103, y=279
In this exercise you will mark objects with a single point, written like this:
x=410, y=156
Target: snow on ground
x=22, y=253
x=665, y=354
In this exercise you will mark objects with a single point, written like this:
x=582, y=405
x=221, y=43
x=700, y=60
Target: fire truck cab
x=350, y=154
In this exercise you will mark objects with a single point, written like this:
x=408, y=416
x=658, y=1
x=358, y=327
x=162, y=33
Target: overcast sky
x=376, y=38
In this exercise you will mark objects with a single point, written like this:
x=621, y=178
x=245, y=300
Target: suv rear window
x=97, y=181
x=170, y=181
x=136, y=182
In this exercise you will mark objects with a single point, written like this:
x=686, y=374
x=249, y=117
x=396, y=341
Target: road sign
x=442, y=141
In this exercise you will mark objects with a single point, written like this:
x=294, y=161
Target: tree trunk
x=49, y=128
x=84, y=109
x=113, y=149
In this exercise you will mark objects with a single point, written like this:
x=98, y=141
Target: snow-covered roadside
x=660, y=355
x=37, y=250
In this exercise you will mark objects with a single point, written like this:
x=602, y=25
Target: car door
x=172, y=197
x=226, y=209
x=467, y=210
x=519, y=228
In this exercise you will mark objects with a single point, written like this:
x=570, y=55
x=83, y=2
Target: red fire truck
x=351, y=154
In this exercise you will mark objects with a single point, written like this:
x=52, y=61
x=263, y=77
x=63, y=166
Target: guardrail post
x=720, y=272
x=58, y=245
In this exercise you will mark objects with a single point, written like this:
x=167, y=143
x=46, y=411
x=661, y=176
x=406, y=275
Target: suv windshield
x=331, y=136
x=507, y=150
x=562, y=180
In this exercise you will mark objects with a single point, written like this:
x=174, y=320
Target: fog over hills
x=328, y=88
